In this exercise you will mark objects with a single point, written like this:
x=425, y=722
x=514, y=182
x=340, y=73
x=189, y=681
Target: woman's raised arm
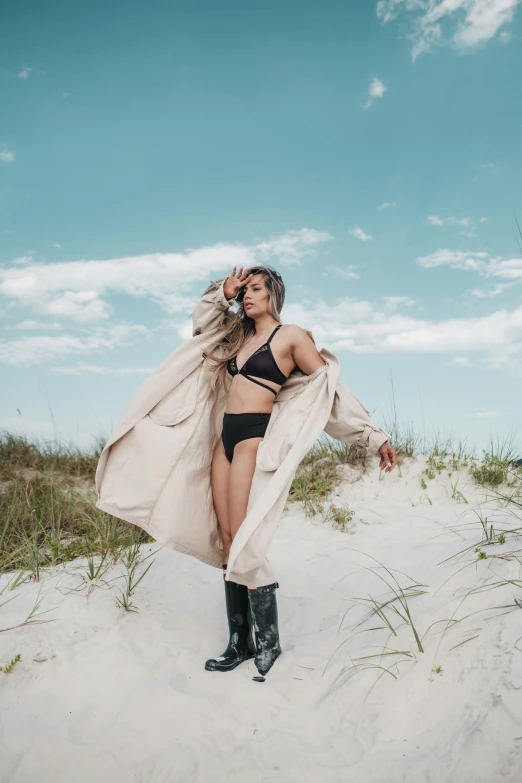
x=212, y=309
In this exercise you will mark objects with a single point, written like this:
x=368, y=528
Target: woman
x=259, y=366
x=205, y=467
x=263, y=354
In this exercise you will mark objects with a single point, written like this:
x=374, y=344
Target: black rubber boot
x=263, y=608
x=241, y=644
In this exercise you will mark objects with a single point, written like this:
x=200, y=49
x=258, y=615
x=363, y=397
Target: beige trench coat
x=155, y=469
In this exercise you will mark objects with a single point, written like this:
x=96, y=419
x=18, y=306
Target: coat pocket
x=179, y=403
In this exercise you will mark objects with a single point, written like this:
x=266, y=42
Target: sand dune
x=104, y=694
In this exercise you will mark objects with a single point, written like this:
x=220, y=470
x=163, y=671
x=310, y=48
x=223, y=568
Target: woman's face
x=255, y=298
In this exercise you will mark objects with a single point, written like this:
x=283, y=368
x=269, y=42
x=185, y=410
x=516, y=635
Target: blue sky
x=371, y=152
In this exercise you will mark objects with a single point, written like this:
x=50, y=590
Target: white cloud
x=22, y=260
x=351, y=324
x=347, y=272
x=460, y=360
x=80, y=305
x=95, y=369
x=387, y=204
x=361, y=326
x=40, y=348
x=483, y=415
x=387, y=10
x=394, y=301
x=475, y=21
x=376, y=90
x=6, y=155
x=40, y=325
x=77, y=289
x=56, y=244
x=359, y=234
x=434, y=220
x=290, y=247
x=466, y=223
x=479, y=262
x=24, y=73
x=485, y=293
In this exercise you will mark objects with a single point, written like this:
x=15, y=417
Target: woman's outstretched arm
x=350, y=422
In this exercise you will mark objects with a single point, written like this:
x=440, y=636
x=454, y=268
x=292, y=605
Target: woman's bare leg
x=220, y=480
x=240, y=480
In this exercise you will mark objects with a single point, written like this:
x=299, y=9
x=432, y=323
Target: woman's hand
x=234, y=283
x=388, y=455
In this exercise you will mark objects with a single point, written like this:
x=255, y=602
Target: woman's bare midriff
x=245, y=396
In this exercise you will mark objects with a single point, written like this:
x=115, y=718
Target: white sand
x=103, y=694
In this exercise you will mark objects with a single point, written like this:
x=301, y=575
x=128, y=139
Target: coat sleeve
x=212, y=309
x=351, y=422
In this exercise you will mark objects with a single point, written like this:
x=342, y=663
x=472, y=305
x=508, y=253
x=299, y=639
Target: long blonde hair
x=239, y=327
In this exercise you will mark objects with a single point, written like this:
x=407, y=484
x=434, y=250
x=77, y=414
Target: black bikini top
x=261, y=364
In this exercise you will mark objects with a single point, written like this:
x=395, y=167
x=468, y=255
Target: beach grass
x=47, y=496
x=48, y=513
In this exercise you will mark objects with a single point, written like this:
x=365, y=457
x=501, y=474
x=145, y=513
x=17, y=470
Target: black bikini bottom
x=240, y=426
